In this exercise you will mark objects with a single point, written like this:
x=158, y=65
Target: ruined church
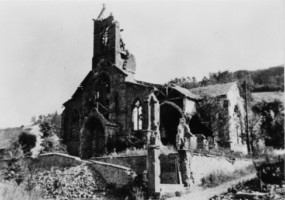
x=110, y=105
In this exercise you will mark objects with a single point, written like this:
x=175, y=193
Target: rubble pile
x=79, y=182
x=250, y=190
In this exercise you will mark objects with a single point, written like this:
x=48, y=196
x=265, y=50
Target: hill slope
x=265, y=80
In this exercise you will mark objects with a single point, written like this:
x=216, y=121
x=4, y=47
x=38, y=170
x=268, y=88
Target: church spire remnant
x=102, y=11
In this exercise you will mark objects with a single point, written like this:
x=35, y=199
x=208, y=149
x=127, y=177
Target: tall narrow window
x=75, y=124
x=137, y=116
x=226, y=103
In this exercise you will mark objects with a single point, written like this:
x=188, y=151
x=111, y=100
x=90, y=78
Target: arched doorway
x=94, y=137
x=170, y=114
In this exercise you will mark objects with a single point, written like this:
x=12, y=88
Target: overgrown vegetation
x=50, y=128
x=50, y=122
x=27, y=141
x=267, y=122
x=215, y=118
x=218, y=177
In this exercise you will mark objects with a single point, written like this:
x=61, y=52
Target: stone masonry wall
x=136, y=163
x=202, y=165
x=113, y=174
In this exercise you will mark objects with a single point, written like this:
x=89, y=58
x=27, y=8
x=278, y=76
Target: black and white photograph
x=141, y=99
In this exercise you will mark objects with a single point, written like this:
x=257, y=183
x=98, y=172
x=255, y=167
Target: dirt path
x=198, y=193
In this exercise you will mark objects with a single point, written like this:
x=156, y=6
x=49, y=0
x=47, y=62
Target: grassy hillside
x=265, y=80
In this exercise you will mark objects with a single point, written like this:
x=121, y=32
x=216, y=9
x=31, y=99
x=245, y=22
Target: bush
x=52, y=144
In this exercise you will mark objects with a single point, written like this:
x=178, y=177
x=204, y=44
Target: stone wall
x=201, y=166
x=46, y=161
x=113, y=174
x=136, y=163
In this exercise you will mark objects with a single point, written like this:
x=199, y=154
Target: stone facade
x=110, y=105
x=104, y=104
x=229, y=98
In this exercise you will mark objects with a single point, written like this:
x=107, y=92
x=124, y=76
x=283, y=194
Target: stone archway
x=170, y=114
x=97, y=135
x=92, y=141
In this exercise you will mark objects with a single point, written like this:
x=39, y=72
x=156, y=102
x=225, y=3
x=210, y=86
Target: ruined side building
x=110, y=105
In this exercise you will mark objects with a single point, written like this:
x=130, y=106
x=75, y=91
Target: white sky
x=46, y=46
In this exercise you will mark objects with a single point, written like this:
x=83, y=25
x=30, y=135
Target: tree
x=27, y=142
x=50, y=125
x=220, y=77
x=215, y=118
x=187, y=82
x=271, y=122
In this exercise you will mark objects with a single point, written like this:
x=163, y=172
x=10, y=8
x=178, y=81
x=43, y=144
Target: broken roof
x=149, y=84
x=185, y=92
x=213, y=90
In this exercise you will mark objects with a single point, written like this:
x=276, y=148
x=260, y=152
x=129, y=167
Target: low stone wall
x=113, y=174
x=46, y=161
x=201, y=166
x=136, y=163
x=121, y=171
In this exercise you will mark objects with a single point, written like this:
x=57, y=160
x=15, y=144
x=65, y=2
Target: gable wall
x=236, y=127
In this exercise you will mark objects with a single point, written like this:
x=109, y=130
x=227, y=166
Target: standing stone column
x=182, y=145
x=184, y=161
x=153, y=170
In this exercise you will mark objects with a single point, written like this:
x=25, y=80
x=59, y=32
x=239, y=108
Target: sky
x=46, y=46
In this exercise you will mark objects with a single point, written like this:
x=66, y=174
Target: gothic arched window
x=137, y=116
x=75, y=120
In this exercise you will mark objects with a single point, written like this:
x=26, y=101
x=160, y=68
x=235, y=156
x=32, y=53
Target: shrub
x=52, y=144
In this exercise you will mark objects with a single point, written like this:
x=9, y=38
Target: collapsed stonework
x=110, y=105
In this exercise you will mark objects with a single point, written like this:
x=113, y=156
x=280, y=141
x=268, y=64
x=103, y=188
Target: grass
x=218, y=177
x=11, y=191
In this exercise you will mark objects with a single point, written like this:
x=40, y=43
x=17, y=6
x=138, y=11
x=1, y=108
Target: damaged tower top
x=109, y=45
